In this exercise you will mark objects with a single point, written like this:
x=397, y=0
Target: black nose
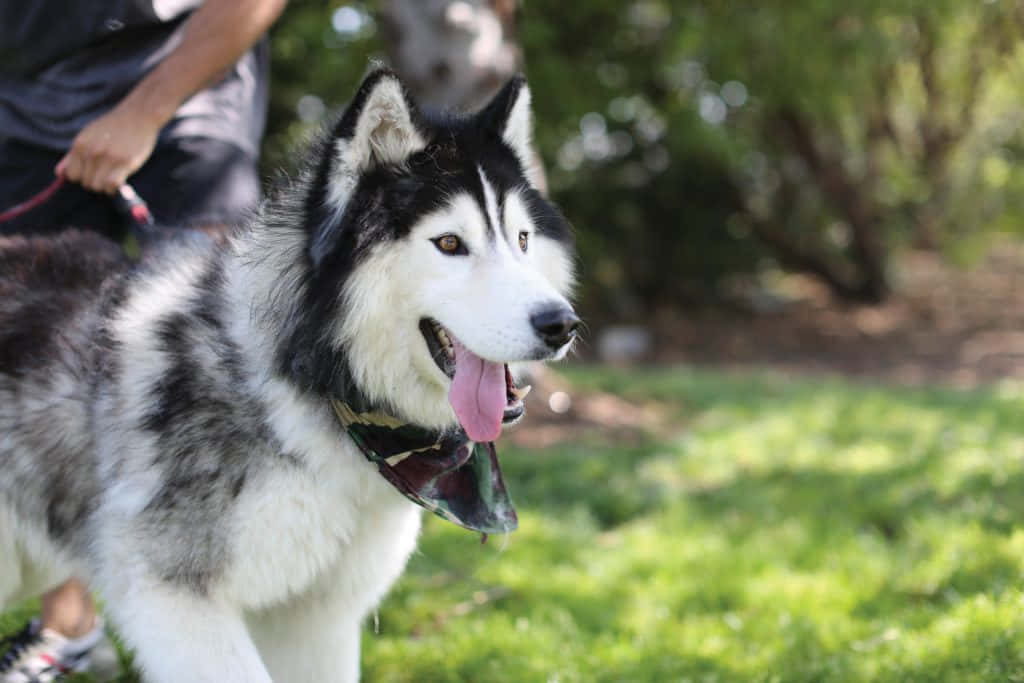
x=556, y=325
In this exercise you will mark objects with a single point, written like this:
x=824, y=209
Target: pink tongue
x=478, y=394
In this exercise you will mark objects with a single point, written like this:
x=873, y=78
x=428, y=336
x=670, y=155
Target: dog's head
x=433, y=260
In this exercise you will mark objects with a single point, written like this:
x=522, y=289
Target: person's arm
x=115, y=145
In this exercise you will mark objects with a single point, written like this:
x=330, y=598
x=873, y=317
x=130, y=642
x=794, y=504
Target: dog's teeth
x=446, y=342
x=521, y=392
x=446, y=345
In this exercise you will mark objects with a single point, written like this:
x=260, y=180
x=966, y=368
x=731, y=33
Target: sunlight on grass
x=786, y=530
x=793, y=530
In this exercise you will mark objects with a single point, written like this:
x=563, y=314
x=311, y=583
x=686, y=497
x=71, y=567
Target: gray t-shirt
x=65, y=62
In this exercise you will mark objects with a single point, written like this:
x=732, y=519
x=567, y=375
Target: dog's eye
x=524, y=240
x=451, y=245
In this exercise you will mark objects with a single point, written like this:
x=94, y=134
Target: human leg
x=58, y=642
x=69, y=609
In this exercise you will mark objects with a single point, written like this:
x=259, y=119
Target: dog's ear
x=379, y=126
x=377, y=129
x=509, y=114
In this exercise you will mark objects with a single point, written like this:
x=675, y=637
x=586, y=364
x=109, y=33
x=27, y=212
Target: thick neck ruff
x=442, y=471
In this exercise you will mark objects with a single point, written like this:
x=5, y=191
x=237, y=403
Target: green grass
x=791, y=530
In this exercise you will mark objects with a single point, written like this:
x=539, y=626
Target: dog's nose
x=556, y=325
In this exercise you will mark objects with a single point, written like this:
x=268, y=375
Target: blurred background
x=792, y=446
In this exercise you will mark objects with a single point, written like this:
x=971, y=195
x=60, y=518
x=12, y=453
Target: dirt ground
x=955, y=326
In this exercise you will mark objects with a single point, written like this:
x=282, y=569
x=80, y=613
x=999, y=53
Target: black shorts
x=187, y=182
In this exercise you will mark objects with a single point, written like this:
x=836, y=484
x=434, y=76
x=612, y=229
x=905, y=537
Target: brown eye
x=524, y=240
x=450, y=244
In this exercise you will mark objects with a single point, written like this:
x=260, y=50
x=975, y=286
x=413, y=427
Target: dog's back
x=50, y=293
x=45, y=282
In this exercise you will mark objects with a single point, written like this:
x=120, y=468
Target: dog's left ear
x=509, y=114
x=379, y=126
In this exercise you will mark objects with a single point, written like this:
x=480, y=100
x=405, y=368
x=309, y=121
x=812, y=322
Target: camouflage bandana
x=444, y=472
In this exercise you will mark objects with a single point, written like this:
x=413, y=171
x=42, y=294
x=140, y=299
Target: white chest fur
x=296, y=527
x=334, y=517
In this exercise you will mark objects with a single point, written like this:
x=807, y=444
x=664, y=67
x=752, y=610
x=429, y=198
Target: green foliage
x=792, y=530
x=310, y=59
x=831, y=132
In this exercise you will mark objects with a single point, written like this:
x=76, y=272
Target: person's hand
x=110, y=149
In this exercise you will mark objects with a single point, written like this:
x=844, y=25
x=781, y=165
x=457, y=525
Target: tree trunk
x=852, y=201
x=454, y=54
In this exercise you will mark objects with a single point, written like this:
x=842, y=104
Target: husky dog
x=227, y=441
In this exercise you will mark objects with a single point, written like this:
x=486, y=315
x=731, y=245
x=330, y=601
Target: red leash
x=127, y=202
x=32, y=202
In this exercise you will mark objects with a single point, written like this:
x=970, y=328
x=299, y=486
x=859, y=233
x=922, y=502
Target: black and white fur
x=165, y=431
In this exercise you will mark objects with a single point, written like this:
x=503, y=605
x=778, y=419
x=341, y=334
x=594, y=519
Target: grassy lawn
x=790, y=530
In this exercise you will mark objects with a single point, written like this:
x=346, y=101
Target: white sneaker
x=41, y=655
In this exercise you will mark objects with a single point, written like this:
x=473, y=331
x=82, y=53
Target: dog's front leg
x=179, y=636
x=313, y=639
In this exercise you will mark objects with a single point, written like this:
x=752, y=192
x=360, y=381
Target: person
x=169, y=95
x=172, y=93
